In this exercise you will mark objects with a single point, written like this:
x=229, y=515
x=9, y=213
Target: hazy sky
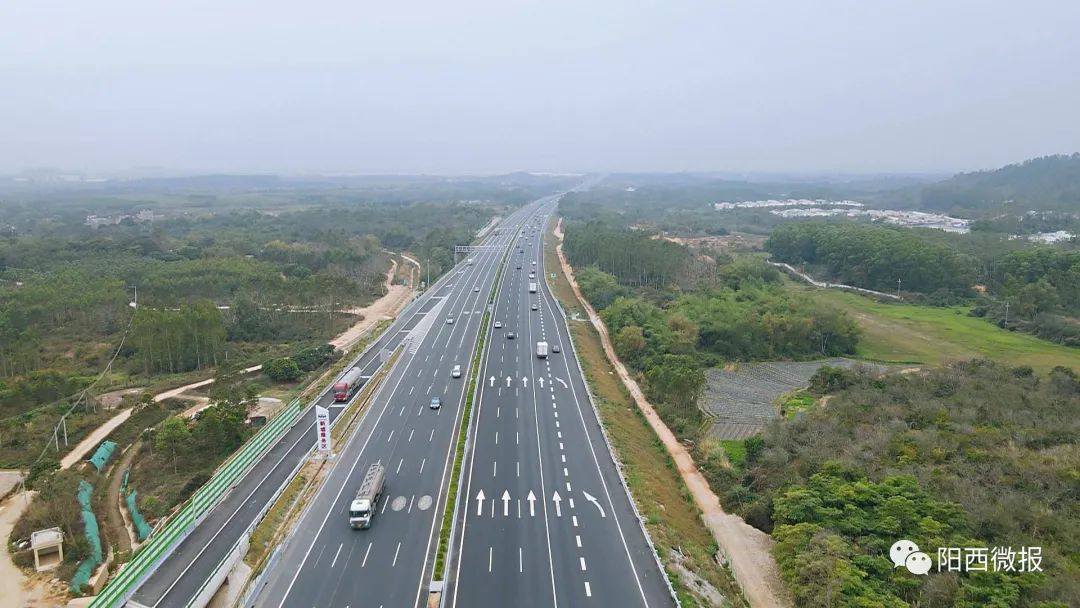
x=593, y=85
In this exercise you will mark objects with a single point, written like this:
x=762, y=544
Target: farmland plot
x=743, y=400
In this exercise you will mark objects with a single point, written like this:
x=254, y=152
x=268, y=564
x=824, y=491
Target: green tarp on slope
x=103, y=454
x=93, y=537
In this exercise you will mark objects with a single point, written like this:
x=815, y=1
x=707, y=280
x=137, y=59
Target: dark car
x=555, y=348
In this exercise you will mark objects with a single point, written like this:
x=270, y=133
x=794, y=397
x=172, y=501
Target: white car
x=449, y=320
x=456, y=372
x=498, y=324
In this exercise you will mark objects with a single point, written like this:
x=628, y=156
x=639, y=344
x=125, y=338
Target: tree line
x=671, y=331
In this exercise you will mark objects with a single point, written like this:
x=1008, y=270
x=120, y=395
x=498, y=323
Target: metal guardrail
x=194, y=510
x=163, y=541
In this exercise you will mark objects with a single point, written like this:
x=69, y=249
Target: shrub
x=282, y=370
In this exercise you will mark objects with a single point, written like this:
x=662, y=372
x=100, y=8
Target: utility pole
x=135, y=304
x=897, y=289
x=427, y=262
x=1006, y=314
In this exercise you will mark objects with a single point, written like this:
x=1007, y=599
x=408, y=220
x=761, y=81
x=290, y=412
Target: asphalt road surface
x=180, y=577
x=545, y=520
x=325, y=563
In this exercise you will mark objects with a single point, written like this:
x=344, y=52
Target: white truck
x=541, y=350
x=532, y=287
x=363, y=505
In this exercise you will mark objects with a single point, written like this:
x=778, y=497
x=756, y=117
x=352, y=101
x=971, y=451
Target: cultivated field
x=742, y=400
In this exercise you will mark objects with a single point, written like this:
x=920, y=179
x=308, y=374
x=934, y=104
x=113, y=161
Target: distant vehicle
x=347, y=386
x=498, y=324
x=535, y=307
x=363, y=504
x=469, y=262
x=532, y=287
x=542, y=350
x=555, y=348
x=509, y=335
x=519, y=266
x=456, y=372
x=534, y=262
x=532, y=275
x=449, y=320
x=476, y=289
x=436, y=403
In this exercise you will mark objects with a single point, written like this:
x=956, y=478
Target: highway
x=544, y=519
x=324, y=562
x=180, y=577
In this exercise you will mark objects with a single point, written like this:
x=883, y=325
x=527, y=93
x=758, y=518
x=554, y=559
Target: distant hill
x=1046, y=183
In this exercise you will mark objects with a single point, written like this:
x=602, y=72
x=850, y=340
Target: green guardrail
x=160, y=544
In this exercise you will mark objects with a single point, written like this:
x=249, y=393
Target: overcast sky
x=592, y=85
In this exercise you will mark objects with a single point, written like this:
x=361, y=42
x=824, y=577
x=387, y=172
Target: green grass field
x=906, y=333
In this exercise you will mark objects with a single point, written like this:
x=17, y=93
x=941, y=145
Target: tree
x=676, y=379
x=173, y=437
x=282, y=370
x=630, y=344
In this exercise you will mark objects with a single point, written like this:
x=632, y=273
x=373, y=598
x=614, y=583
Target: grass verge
x=685, y=545
x=459, y=449
x=909, y=333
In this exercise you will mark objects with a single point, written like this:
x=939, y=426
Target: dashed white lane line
x=400, y=462
x=588, y=589
x=411, y=431
x=402, y=412
x=494, y=468
x=496, y=437
x=571, y=503
x=396, y=551
x=582, y=563
x=363, y=563
x=519, y=468
x=577, y=538
x=565, y=472
x=422, y=463
x=390, y=436
x=490, y=553
x=521, y=563
x=337, y=554
x=574, y=517
x=563, y=458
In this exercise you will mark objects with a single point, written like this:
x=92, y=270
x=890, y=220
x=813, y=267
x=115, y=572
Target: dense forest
x=693, y=312
x=1029, y=288
x=1049, y=182
x=973, y=455
x=238, y=285
x=874, y=257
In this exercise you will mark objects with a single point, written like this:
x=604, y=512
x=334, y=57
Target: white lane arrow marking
x=541, y=381
x=492, y=380
x=506, y=502
x=532, y=504
x=480, y=503
x=525, y=381
x=592, y=499
x=558, y=503
x=562, y=382
x=508, y=380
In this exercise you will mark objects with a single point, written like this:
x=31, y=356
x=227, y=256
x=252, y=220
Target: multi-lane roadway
x=547, y=521
x=542, y=518
x=325, y=563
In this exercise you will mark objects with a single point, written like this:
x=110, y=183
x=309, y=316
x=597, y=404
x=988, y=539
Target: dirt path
x=15, y=588
x=746, y=547
x=384, y=308
x=118, y=530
